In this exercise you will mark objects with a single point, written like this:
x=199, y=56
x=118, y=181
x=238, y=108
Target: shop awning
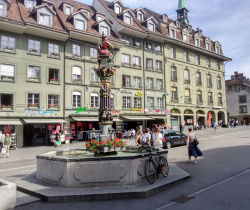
x=176, y=114
x=137, y=118
x=44, y=121
x=89, y=119
x=188, y=114
x=10, y=122
x=116, y=120
x=201, y=115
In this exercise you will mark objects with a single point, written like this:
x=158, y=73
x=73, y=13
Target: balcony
x=174, y=78
x=175, y=98
x=199, y=83
x=188, y=100
x=187, y=81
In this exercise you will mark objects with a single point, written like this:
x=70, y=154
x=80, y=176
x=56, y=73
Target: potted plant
x=77, y=80
x=136, y=65
x=149, y=67
x=33, y=105
x=53, y=106
x=94, y=81
x=33, y=78
x=6, y=107
x=125, y=64
x=53, y=54
x=77, y=55
x=4, y=77
x=33, y=51
x=54, y=80
x=8, y=49
x=159, y=69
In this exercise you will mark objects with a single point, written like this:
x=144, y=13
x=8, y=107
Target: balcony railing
x=188, y=100
x=209, y=84
x=199, y=101
x=198, y=83
x=219, y=86
x=174, y=78
x=210, y=102
x=187, y=81
x=175, y=98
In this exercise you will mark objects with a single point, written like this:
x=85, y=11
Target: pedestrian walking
x=215, y=128
x=181, y=128
x=138, y=138
x=157, y=138
x=193, y=149
x=1, y=140
x=146, y=138
x=6, y=145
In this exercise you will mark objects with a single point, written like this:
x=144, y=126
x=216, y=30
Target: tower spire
x=182, y=12
x=182, y=4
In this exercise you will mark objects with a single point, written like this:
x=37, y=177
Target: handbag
x=158, y=142
x=3, y=150
x=196, y=140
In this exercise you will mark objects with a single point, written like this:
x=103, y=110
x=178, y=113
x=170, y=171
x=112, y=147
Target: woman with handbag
x=157, y=138
x=192, y=142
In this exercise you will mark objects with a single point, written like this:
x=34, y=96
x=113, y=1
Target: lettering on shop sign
x=115, y=112
x=146, y=110
x=80, y=109
x=139, y=110
x=41, y=112
x=126, y=91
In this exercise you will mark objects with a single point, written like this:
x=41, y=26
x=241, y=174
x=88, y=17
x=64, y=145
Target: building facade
x=237, y=94
x=166, y=72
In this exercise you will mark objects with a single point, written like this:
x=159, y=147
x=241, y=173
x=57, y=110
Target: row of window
x=237, y=88
x=127, y=103
x=197, y=58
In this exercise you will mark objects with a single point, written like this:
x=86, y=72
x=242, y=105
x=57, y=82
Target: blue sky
x=226, y=21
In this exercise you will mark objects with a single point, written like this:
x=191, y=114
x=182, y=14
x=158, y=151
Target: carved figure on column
x=104, y=50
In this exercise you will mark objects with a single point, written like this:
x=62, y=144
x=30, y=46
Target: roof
x=238, y=78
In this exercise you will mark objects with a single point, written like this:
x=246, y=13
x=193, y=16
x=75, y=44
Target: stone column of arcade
x=104, y=72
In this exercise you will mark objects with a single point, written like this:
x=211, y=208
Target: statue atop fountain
x=104, y=72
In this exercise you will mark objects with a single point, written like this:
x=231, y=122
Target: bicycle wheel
x=163, y=163
x=150, y=171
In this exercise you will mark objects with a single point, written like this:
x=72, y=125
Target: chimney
x=236, y=72
x=247, y=79
x=199, y=31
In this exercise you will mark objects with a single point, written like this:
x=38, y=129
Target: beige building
x=166, y=72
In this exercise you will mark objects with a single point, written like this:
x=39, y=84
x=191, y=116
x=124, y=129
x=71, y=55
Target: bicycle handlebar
x=151, y=151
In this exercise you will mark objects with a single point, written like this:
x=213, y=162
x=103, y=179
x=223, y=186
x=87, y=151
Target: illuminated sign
x=79, y=109
x=41, y=112
x=139, y=110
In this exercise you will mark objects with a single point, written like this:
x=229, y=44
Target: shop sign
x=146, y=110
x=79, y=124
x=73, y=126
x=188, y=120
x=188, y=111
x=58, y=127
x=41, y=112
x=7, y=129
x=116, y=112
x=90, y=126
x=137, y=110
x=39, y=126
x=80, y=109
x=53, y=132
x=139, y=94
x=50, y=127
x=126, y=91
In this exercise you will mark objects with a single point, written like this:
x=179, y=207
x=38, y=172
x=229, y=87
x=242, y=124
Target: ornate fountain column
x=104, y=72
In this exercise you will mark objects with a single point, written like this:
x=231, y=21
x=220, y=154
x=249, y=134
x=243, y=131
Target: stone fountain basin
x=82, y=169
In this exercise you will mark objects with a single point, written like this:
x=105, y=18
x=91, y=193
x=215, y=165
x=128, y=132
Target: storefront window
x=10, y=129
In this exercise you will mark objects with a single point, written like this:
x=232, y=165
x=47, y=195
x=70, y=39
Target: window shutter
x=123, y=80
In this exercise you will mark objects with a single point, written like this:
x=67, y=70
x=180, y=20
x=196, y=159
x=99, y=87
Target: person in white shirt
x=157, y=138
x=1, y=140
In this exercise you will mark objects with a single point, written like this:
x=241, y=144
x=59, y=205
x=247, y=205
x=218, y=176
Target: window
x=54, y=75
x=237, y=88
x=76, y=50
x=199, y=96
x=150, y=102
x=159, y=84
x=76, y=99
x=218, y=82
x=53, y=49
x=53, y=102
x=8, y=43
x=198, y=78
x=126, y=81
x=172, y=33
x=198, y=60
x=136, y=43
x=93, y=53
x=150, y=83
x=197, y=42
x=243, y=87
x=207, y=46
x=126, y=102
x=112, y=102
x=186, y=75
x=126, y=39
x=99, y=18
x=209, y=80
x=7, y=72
x=172, y=52
x=218, y=65
x=128, y=20
x=157, y=48
x=186, y=57
x=149, y=64
x=148, y=46
x=94, y=77
x=117, y=9
x=208, y=63
x=7, y=101
x=136, y=61
x=76, y=74
x=159, y=65
x=30, y=3
x=210, y=98
x=140, y=17
x=187, y=95
x=151, y=27
x=33, y=100
x=33, y=73
x=94, y=100
x=104, y=30
x=219, y=99
x=174, y=95
x=112, y=80
x=34, y=46
x=67, y=10
x=173, y=73
x=44, y=20
x=217, y=49
x=125, y=59
x=137, y=103
x=185, y=38
x=1, y=10
x=243, y=109
x=80, y=24
x=242, y=99
x=137, y=82
x=159, y=103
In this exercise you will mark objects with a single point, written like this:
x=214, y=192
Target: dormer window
x=197, y=42
x=207, y=46
x=190, y=28
x=172, y=33
x=44, y=20
x=185, y=39
x=104, y=30
x=1, y=10
x=99, y=18
x=128, y=20
x=217, y=49
x=177, y=24
x=117, y=9
x=80, y=24
x=30, y=3
x=151, y=26
x=67, y=10
x=140, y=17
x=165, y=19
